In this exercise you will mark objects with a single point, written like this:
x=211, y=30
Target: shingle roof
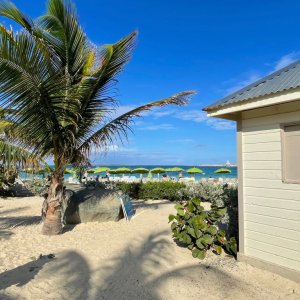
x=283, y=79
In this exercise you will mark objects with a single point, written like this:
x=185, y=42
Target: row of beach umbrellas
x=153, y=171
x=124, y=170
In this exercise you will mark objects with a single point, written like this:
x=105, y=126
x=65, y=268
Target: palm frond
x=12, y=155
x=93, y=90
x=9, y=10
x=118, y=127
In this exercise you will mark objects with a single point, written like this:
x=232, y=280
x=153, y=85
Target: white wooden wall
x=271, y=207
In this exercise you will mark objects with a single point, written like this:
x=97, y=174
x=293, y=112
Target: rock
x=91, y=204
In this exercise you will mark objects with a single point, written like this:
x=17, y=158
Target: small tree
x=57, y=88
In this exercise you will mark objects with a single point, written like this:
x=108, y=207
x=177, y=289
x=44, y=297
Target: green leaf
x=173, y=225
x=187, y=216
x=180, y=212
x=190, y=206
x=212, y=230
x=171, y=218
x=178, y=206
x=198, y=222
x=198, y=233
x=186, y=238
x=207, y=239
x=191, y=231
x=199, y=244
x=196, y=201
x=221, y=211
x=218, y=249
x=222, y=233
x=198, y=253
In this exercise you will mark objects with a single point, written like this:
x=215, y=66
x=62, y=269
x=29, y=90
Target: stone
x=91, y=204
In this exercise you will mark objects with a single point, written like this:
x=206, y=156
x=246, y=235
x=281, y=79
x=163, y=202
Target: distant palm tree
x=58, y=87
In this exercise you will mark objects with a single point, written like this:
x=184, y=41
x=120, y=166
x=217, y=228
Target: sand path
x=123, y=260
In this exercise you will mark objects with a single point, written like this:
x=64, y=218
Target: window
x=291, y=153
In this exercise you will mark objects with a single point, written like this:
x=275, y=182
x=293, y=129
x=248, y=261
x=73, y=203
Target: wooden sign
x=127, y=207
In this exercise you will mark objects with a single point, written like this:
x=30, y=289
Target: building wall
x=271, y=208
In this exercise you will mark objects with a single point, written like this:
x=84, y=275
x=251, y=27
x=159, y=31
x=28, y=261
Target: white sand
x=119, y=260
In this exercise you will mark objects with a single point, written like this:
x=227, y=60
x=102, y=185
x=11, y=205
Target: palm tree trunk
x=52, y=222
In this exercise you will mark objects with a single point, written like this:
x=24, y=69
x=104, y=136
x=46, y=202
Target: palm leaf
x=118, y=128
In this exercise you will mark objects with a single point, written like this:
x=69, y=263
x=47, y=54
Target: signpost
x=127, y=207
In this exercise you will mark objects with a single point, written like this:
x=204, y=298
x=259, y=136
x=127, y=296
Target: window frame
x=283, y=151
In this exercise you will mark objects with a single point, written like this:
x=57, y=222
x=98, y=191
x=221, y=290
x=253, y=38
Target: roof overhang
x=233, y=111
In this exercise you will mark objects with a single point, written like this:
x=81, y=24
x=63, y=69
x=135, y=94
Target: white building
x=267, y=113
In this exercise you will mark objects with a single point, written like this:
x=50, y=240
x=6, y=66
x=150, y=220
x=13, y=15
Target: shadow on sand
x=12, y=222
x=135, y=274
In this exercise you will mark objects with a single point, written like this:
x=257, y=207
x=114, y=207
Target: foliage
x=231, y=202
x=197, y=229
x=206, y=191
x=68, y=81
x=161, y=190
x=57, y=91
x=36, y=186
x=152, y=190
x=219, y=195
x=131, y=189
x=7, y=179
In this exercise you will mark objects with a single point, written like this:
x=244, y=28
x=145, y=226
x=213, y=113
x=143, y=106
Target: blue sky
x=214, y=47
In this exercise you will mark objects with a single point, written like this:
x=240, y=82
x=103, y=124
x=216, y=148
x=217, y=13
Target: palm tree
x=13, y=156
x=57, y=87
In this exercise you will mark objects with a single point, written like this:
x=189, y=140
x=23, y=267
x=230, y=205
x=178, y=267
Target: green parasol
x=222, y=171
x=158, y=171
x=140, y=171
x=174, y=169
x=69, y=171
x=194, y=171
x=100, y=170
x=122, y=171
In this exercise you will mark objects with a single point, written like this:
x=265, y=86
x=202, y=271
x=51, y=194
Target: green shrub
x=196, y=228
x=161, y=190
x=206, y=191
x=132, y=189
x=231, y=202
x=36, y=186
x=152, y=190
x=7, y=179
x=217, y=194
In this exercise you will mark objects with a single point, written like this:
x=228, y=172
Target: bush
x=132, y=189
x=218, y=195
x=7, y=179
x=161, y=190
x=231, y=202
x=36, y=186
x=206, y=191
x=197, y=229
x=152, y=190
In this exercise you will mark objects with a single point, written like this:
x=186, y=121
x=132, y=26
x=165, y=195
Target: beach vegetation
x=57, y=88
x=167, y=190
x=198, y=229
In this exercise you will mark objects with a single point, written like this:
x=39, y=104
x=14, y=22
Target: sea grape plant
x=198, y=230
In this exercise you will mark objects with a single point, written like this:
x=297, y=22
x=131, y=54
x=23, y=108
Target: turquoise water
x=208, y=171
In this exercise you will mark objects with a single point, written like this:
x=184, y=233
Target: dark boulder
x=91, y=204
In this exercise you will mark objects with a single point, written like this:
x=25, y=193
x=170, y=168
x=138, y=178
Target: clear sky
x=214, y=47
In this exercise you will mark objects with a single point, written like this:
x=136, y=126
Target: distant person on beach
x=180, y=175
x=107, y=175
x=165, y=177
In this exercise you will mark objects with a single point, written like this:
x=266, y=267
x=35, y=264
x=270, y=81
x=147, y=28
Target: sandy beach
x=119, y=260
